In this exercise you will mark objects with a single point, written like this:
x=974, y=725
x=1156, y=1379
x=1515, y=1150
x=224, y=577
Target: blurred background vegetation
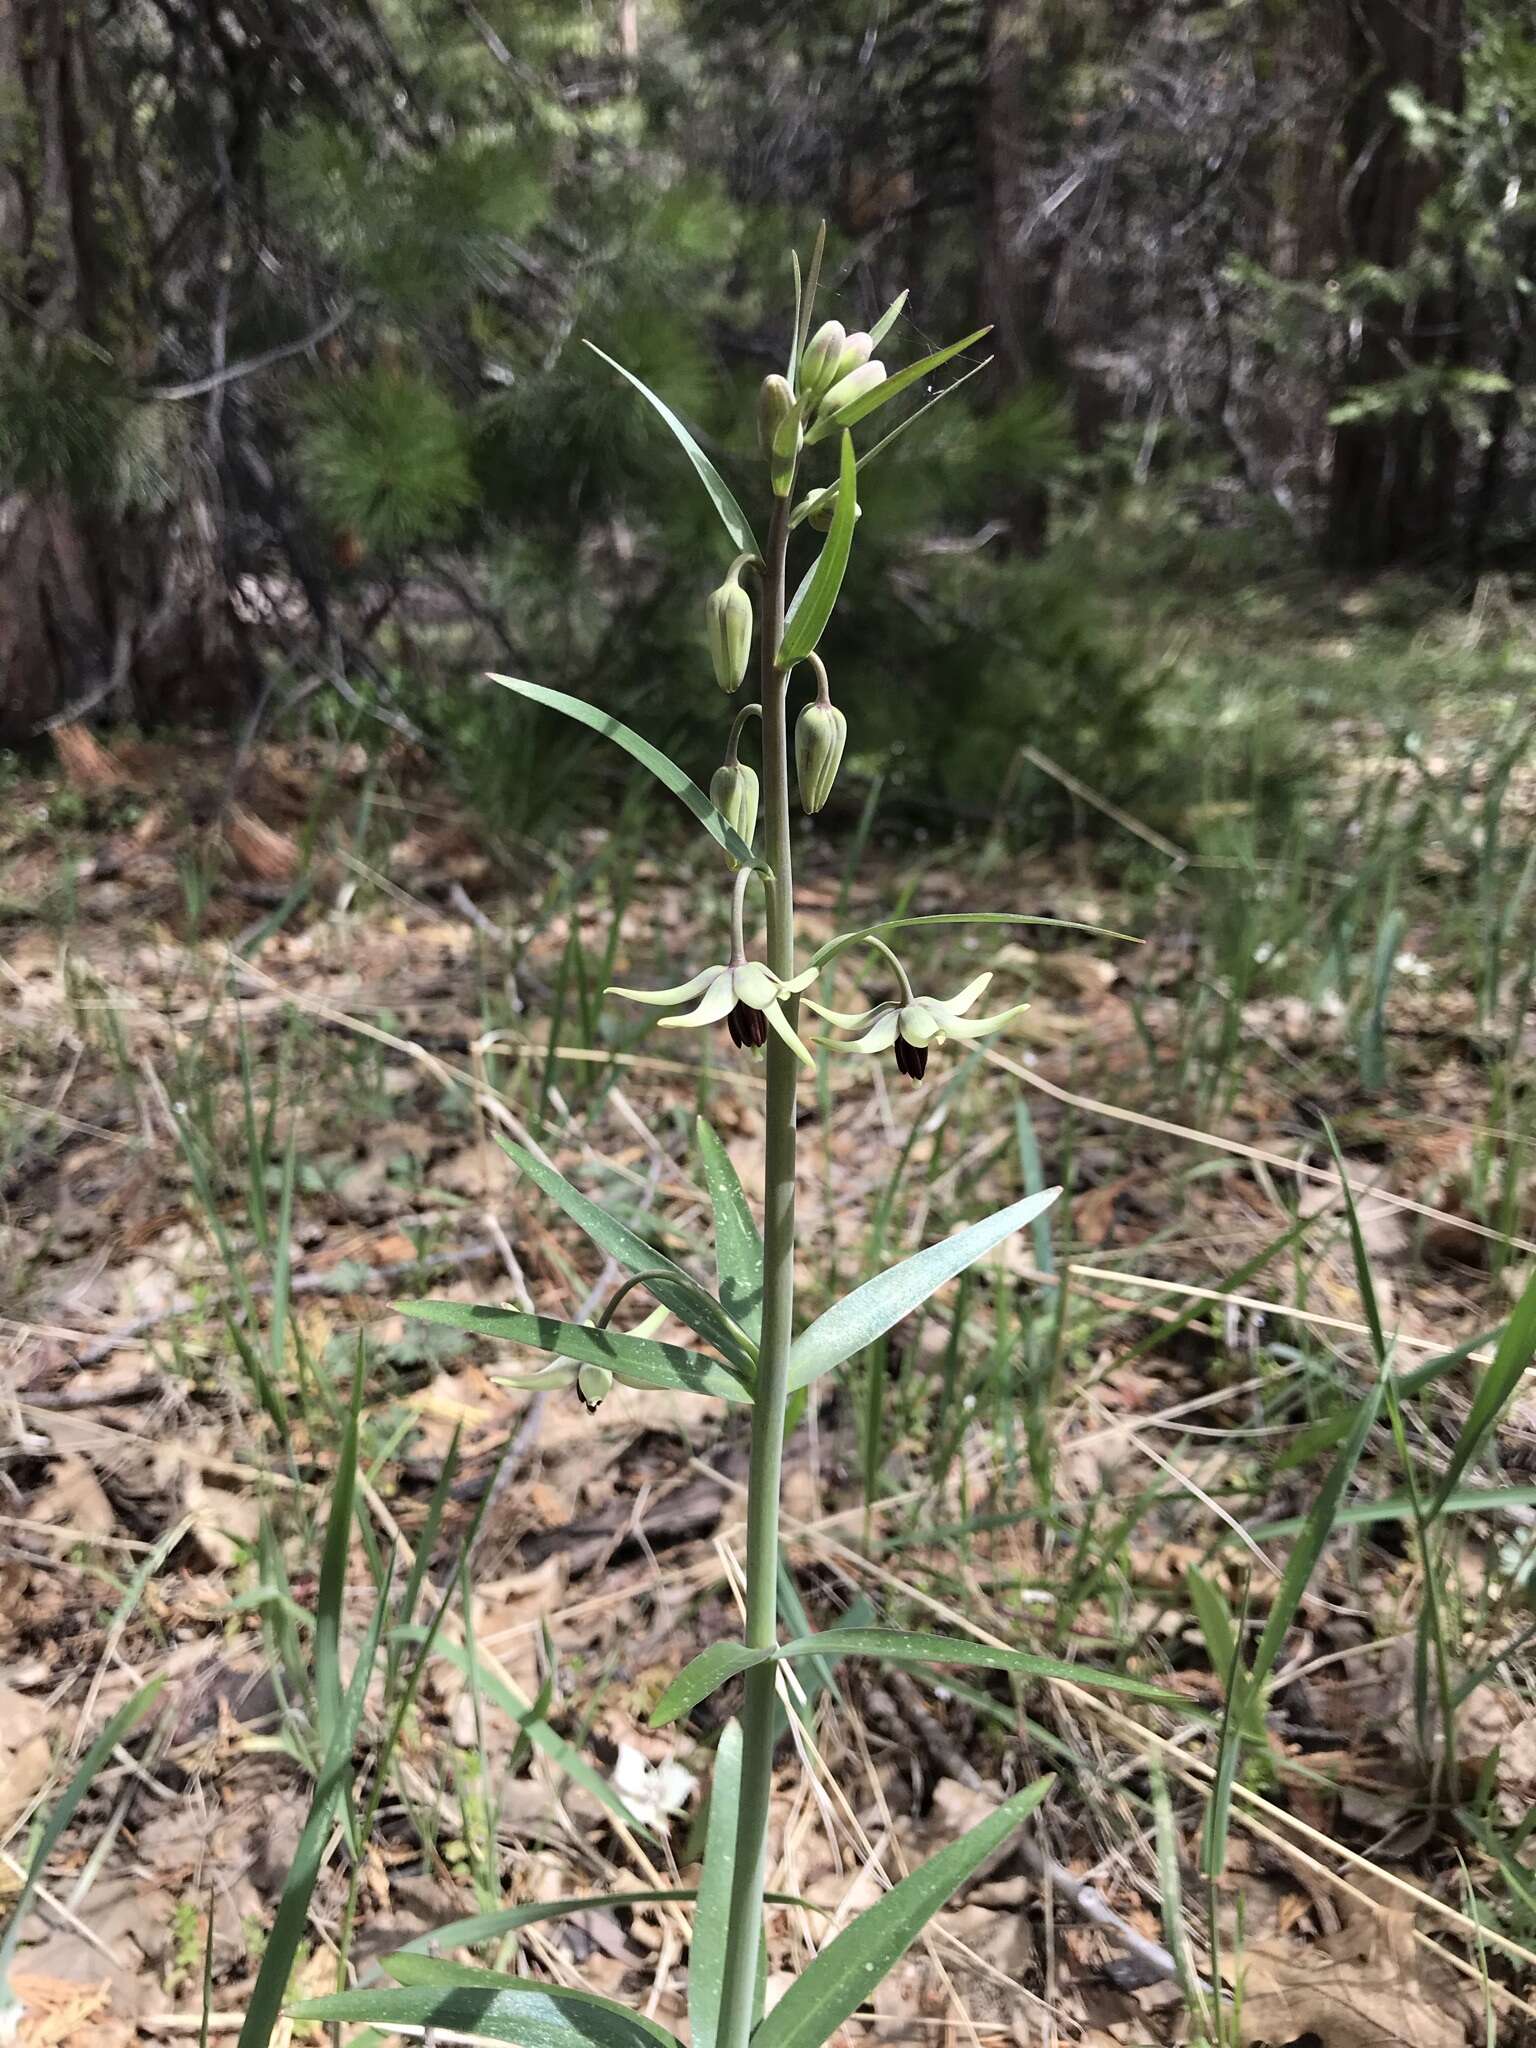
x=295, y=419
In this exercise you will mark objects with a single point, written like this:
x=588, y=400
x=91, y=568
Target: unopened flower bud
x=823, y=508
x=593, y=1384
x=857, y=350
x=820, y=358
x=857, y=384
x=821, y=733
x=787, y=438
x=775, y=401
x=728, y=617
x=733, y=792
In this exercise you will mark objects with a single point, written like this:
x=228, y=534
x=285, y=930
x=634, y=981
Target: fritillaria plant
x=745, y=1347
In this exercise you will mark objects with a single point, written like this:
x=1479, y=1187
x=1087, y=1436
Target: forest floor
x=251, y=1099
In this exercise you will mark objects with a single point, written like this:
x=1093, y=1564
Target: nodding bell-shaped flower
x=594, y=1383
x=733, y=790
x=788, y=438
x=912, y=1024
x=744, y=995
x=821, y=359
x=821, y=733
x=728, y=620
x=843, y=393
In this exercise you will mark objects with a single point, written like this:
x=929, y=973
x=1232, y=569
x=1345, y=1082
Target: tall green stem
x=772, y=1391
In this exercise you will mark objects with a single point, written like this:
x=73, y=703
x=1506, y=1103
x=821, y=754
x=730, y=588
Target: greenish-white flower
x=744, y=995
x=911, y=1024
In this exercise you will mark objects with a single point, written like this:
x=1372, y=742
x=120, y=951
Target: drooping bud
x=775, y=401
x=787, y=439
x=593, y=1385
x=857, y=350
x=733, y=790
x=857, y=384
x=821, y=733
x=822, y=506
x=728, y=618
x=820, y=358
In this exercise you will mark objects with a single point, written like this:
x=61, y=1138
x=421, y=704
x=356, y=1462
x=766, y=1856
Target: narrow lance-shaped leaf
x=905, y=1647
x=881, y=1303
x=291, y=1919
x=836, y=945
x=861, y=408
x=711, y=1923
x=848, y=1969
x=1511, y=1361
x=802, y=510
x=665, y=1278
x=118, y=1729
x=732, y=517
x=887, y=321
x=738, y=1242
x=490, y=2007
x=815, y=599
x=666, y=772
x=636, y=1361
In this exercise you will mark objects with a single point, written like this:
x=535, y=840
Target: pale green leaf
x=834, y=946
x=732, y=517
x=815, y=599
x=738, y=1243
x=910, y=1647
x=523, y=2011
x=848, y=1969
x=666, y=772
x=887, y=321
x=711, y=1922
x=665, y=1279
x=705, y=1674
x=861, y=408
x=636, y=1361
x=859, y=1318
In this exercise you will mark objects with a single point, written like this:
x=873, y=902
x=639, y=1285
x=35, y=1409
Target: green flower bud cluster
x=835, y=369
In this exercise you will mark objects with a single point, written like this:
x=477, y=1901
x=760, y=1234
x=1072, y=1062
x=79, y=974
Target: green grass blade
x=845, y=1973
x=118, y=1729
x=738, y=1242
x=813, y=604
x=331, y=1593
x=1497, y=1386
x=688, y=1301
x=564, y=1755
x=711, y=1921
x=637, y=1361
x=666, y=772
x=1317, y=1527
x=859, y=1318
x=266, y=2001
x=732, y=518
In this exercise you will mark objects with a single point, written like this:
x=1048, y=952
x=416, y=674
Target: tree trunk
x=102, y=594
x=1392, y=489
